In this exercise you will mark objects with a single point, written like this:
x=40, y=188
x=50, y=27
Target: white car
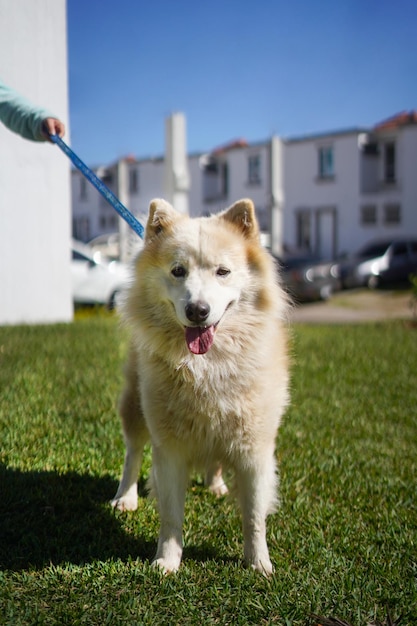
x=95, y=279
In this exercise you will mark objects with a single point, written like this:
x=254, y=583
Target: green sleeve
x=20, y=115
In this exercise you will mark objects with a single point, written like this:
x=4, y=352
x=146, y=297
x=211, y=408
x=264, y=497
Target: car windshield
x=79, y=256
x=373, y=250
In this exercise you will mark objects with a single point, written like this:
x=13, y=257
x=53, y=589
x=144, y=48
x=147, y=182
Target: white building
x=35, y=205
x=325, y=193
x=343, y=189
x=92, y=215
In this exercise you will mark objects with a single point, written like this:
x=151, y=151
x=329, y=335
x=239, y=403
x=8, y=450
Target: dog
x=207, y=373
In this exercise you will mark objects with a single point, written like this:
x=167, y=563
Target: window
x=368, y=215
x=389, y=163
x=83, y=188
x=107, y=178
x=108, y=222
x=254, y=169
x=326, y=162
x=225, y=180
x=133, y=181
x=263, y=218
x=215, y=179
x=303, y=229
x=392, y=214
x=81, y=228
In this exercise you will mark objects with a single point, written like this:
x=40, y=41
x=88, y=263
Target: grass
x=343, y=541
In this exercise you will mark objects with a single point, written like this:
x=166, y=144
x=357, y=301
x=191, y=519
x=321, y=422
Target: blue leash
x=101, y=187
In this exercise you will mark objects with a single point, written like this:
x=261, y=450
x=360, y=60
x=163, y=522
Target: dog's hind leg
x=257, y=485
x=135, y=435
x=214, y=480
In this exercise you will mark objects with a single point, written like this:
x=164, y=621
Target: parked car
x=307, y=277
x=380, y=263
x=96, y=279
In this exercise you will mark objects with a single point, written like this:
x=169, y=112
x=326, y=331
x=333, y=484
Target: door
x=326, y=244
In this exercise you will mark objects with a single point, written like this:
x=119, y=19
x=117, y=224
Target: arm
x=26, y=119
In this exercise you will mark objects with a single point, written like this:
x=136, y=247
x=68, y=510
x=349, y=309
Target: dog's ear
x=242, y=215
x=161, y=216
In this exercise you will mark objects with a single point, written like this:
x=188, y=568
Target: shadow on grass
x=51, y=518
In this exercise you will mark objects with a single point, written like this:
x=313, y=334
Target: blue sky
x=235, y=69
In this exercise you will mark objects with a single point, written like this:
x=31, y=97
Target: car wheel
x=373, y=282
x=326, y=292
x=112, y=303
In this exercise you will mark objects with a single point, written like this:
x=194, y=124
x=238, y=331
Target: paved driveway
x=358, y=305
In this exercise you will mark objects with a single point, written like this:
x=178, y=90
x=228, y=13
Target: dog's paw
x=166, y=566
x=218, y=488
x=125, y=503
x=265, y=567
x=216, y=484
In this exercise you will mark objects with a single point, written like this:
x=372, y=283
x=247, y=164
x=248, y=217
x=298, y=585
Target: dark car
x=380, y=263
x=307, y=277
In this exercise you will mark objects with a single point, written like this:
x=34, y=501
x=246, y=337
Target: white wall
x=408, y=180
x=402, y=192
x=305, y=190
x=238, y=183
x=151, y=185
x=195, y=198
x=34, y=177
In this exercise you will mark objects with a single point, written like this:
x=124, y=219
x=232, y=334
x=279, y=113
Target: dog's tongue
x=199, y=340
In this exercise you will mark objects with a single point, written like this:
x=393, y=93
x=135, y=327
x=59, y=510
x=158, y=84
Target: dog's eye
x=222, y=271
x=178, y=271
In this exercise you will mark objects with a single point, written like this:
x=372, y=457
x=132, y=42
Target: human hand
x=52, y=126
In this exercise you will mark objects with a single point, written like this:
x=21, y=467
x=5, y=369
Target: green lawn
x=344, y=542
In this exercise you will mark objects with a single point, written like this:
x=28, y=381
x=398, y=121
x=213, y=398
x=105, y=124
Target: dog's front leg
x=258, y=497
x=169, y=476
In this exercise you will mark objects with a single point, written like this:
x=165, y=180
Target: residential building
x=388, y=183
x=327, y=194
x=345, y=188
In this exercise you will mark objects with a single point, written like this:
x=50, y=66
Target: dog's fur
x=207, y=374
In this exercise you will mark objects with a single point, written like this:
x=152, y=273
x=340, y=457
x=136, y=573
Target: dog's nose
x=197, y=311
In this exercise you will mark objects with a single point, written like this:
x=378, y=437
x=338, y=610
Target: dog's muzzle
x=197, y=312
